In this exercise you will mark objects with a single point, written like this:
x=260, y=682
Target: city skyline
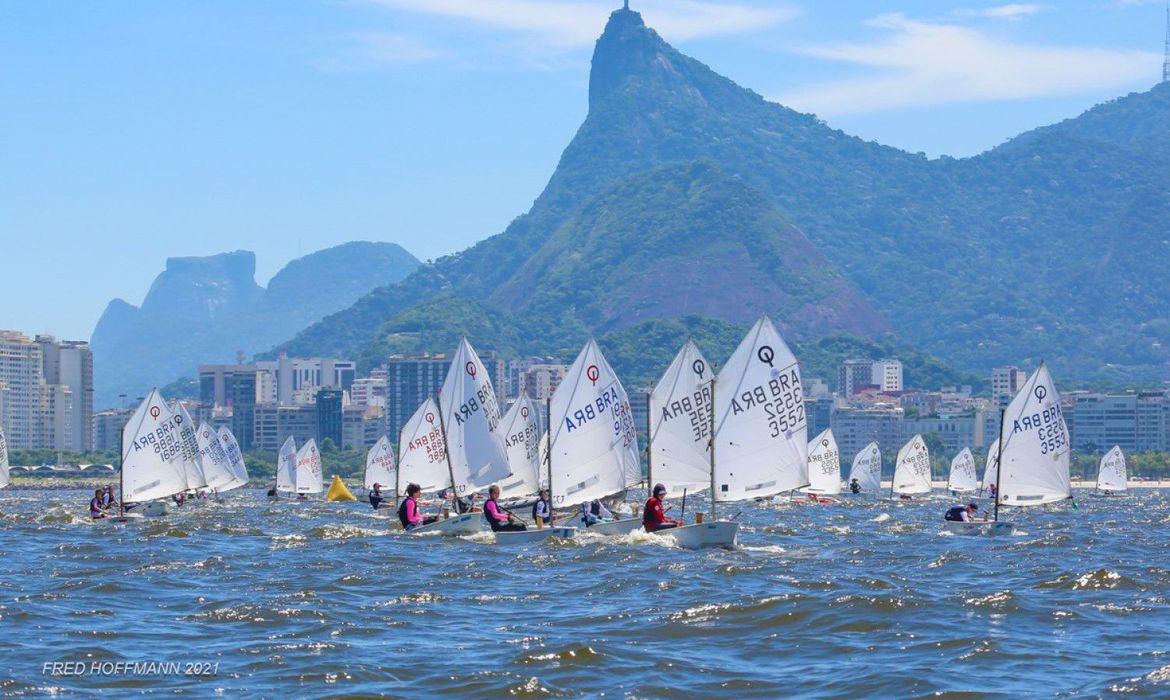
x=216, y=141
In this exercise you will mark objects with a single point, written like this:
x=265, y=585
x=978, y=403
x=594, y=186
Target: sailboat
x=988, y=482
x=521, y=431
x=824, y=468
x=912, y=470
x=592, y=443
x=286, y=467
x=189, y=444
x=867, y=469
x=308, y=469
x=4, y=478
x=216, y=466
x=1111, y=473
x=962, y=477
x=380, y=467
x=681, y=419
x=153, y=462
x=760, y=443
x=1032, y=467
x=235, y=458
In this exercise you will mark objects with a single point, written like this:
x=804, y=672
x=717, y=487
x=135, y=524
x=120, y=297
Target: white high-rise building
x=20, y=372
x=46, y=392
x=1006, y=383
x=887, y=374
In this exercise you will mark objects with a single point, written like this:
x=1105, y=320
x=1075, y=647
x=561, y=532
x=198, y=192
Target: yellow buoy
x=338, y=491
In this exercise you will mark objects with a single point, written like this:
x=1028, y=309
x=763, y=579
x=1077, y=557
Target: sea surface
x=862, y=599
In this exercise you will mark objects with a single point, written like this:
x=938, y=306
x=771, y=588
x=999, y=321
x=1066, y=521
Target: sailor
x=466, y=504
x=96, y=510
x=595, y=512
x=108, y=500
x=854, y=486
x=542, y=510
x=963, y=514
x=653, y=516
x=376, y=497
x=408, y=512
x=498, y=518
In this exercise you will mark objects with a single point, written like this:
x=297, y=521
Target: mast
x=398, y=473
x=649, y=442
x=998, y=462
x=548, y=452
x=713, y=448
x=447, y=454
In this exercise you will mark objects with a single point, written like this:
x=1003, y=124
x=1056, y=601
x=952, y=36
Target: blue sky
x=134, y=131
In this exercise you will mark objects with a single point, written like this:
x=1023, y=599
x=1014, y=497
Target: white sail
x=190, y=448
x=912, y=472
x=286, y=466
x=232, y=448
x=309, y=478
x=1035, y=455
x=1111, y=474
x=963, y=476
x=521, y=430
x=867, y=468
x=824, y=465
x=380, y=467
x=680, y=423
x=4, y=478
x=761, y=439
x=471, y=419
x=152, y=452
x=217, y=468
x=989, y=468
x=594, y=445
x=421, y=458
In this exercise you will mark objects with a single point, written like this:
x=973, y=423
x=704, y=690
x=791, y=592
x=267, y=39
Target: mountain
x=208, y=309
x=683, y=193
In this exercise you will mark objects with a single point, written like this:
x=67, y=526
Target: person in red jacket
x=653, y=516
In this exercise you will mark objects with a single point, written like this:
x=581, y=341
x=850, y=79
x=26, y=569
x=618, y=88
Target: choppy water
x=861, y=599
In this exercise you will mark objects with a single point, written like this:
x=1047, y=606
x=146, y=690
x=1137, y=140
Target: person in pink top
x=409, y=513
x=499, y=518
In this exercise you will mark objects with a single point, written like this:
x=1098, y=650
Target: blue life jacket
x=956, y=513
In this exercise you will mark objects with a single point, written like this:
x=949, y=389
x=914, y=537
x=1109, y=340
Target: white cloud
x=1012, y=11
x=373, y=50
x=924, y=63
x=568, y=24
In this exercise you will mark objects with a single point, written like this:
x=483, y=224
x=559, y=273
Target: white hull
x=534, y=535
x=721, y=533
x=980, y=527
x=455, y=526
x=150, y=509
x=616, y=527
x=121, y=519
